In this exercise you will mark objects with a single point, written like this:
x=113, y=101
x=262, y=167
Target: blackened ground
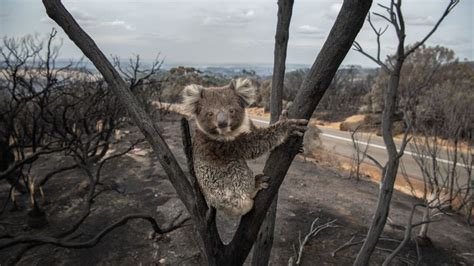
x=308, y=192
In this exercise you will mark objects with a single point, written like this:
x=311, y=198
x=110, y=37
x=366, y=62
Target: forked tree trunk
x=390, y=101
x=263, y=246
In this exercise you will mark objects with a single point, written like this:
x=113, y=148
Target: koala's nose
x=221, y=120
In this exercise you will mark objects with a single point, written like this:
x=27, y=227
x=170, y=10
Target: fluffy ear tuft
x=191, y=96
x=245, y=89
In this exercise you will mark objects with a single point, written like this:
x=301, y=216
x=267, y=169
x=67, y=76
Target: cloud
x=232, y=18
x=86, y=20
x=83, y=18
x=120, y=24
x=420, y=20
x=161, y=37
x=309, y=30
x=333, y=11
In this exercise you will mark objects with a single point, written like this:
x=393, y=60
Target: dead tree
x=263, y=245
x=341, y=37
x=393, y=67
x=83, y=116
x=359, y=153
x=445, y=185
x=144, y=82
x=27, y=78
x=314, y=230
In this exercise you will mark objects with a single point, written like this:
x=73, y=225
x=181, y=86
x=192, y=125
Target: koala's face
x=220, y=112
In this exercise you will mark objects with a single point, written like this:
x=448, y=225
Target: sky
x=230, y=31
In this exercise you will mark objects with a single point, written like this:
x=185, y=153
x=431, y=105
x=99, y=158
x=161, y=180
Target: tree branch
x=357, y=47
x=449, y=7
x=63, y=18
x=263, y=245
x=93, y=241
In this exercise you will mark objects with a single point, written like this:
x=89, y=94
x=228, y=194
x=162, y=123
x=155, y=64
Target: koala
x=225, y=138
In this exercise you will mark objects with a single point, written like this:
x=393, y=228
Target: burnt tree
x=263, y=245
x=393, y=68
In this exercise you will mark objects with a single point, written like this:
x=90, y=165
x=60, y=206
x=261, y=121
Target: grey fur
x=244, y=89
x=191, y=95
x=225, y=179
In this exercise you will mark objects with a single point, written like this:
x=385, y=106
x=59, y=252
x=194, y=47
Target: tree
x=27, y=79
x=68, y=111
x=263, y=245
x=393, y=68
x=421, y=70
x=435, y=93
x=341, y=37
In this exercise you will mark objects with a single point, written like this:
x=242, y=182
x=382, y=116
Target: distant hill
x=470, y=63
x=228, y=71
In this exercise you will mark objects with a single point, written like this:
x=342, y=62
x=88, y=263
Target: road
x=340, y=142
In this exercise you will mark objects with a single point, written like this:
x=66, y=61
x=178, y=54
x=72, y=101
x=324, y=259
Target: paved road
x=340, y=142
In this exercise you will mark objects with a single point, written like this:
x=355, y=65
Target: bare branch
x=60, y=15
x=346, y=245
x=29, y=159
x=312, y=233
x=379, y=165
x=406, y=237
x=378, y=33
x=356, y=46
x=61, y=242
x=449, y=8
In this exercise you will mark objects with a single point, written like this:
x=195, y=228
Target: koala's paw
x=295, y=127
x=261, y=182
x=301, y=148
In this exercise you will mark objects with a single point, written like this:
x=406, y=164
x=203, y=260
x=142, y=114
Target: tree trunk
x=424, y=227
x=263, y=246
x=390, y=171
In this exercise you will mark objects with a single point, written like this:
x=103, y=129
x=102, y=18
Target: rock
x=151, y=235
x=170, y=210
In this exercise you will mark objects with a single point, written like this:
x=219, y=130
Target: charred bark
x=263, y=246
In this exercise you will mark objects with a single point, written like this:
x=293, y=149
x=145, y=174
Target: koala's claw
x=301, y=149
x=261, y=181
x=296, y=127
x=284, y=115
x=297, y=134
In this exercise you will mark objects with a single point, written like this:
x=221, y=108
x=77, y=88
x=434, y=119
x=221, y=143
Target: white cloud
x=333, y=11
x=420, y=20
x=230, y=31
x=310, y=30
x=86, y=20
x=120, y=24
x=83, y=18
x=232, y=18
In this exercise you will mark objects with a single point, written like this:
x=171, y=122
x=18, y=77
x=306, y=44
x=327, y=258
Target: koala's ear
x=245, y=89
x=191, y=96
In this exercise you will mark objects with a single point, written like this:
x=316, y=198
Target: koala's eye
x=209, y=114
x=232, y=111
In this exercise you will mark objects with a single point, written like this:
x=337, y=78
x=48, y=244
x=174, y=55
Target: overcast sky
x=229, y=31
